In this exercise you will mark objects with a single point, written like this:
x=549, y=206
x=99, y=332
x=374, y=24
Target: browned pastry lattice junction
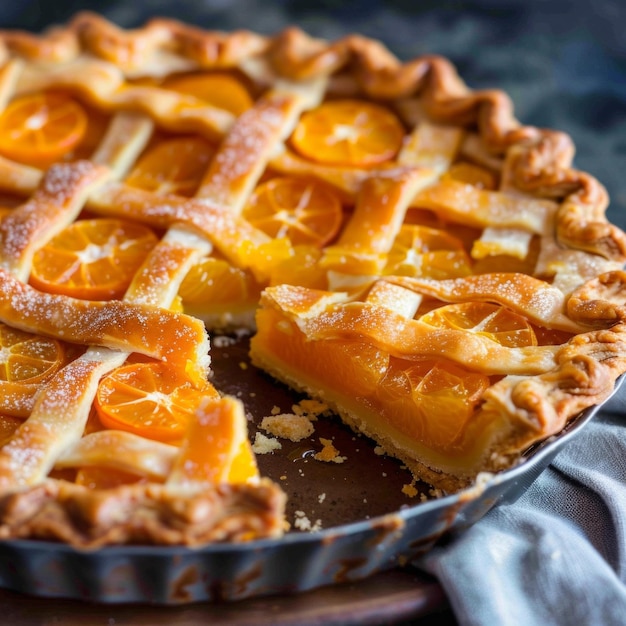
x=403, y=248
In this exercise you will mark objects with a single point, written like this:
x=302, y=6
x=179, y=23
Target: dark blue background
x=563, y=62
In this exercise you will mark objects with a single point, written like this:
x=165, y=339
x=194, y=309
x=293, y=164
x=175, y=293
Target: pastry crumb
x=310, y=408
x=275, y=410
x=379, y=451
x=409, y=490
x=321, y=498
x=302, y=522
x=288, y=426
x=264, y=445
x=435, y=493
x=243, y=365
x=223, y=341
x=329, y=453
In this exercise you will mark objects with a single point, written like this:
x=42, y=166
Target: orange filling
x=429, y=401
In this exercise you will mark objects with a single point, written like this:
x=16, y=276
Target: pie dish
x=404, y=250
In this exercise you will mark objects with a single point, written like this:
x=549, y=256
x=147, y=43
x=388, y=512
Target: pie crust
x=508, y=228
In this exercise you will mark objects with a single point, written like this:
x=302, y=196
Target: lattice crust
x=513, y=223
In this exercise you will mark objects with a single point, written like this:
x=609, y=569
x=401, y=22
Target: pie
x=402, y=248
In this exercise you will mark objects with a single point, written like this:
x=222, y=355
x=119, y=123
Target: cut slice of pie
x=404, y=249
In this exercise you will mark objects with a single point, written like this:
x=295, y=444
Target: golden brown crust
x=146, y=514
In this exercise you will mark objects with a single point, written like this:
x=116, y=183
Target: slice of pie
x=403, y=248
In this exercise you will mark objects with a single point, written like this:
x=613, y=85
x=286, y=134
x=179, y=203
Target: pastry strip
x=533, y=298
x=244, y=153
x=115, y=324
x=133, y=454
x=465, y=204
x=54, y=205
x=408, y=338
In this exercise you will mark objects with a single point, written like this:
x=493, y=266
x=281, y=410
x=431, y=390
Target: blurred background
x=563, y=62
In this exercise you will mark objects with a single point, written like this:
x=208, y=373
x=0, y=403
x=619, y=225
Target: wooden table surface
x=398, y=596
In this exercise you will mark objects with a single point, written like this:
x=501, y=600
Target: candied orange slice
x=92, y=259
x=494, y=321
x=147, y=400
x=25, y=357
x=428, y=252
x=305, y=211
x=216, y=448
x=175, y=166
x=217, y=89
x=348, y=132
x=40, y=128
x=216, y=281
x=417, y=394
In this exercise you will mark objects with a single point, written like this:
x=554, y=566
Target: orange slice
x=348, y=132
x=25, y=357
x=216, y=448
x=307, y=212
x=92, y=259
x=40, y=128
x=491, y=320
x=174, y=166
x=414, y=396
x=147, y=400
x=215, y=281
x=218, y=89
x=427, y=252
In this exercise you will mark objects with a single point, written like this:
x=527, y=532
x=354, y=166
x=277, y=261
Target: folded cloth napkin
x=558, y=554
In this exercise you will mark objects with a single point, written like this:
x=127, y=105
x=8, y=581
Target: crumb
x=435, y=493
x=302, y=522
x=243, y=365
x=321, y=498
x=275, y=410
x=379, y=450
x=252, y=394
x=288, y=426
x=263, y=444
x=283, y=477
x=409, y=490
x=222, y=341
x=310, y=408
x=329, y=453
